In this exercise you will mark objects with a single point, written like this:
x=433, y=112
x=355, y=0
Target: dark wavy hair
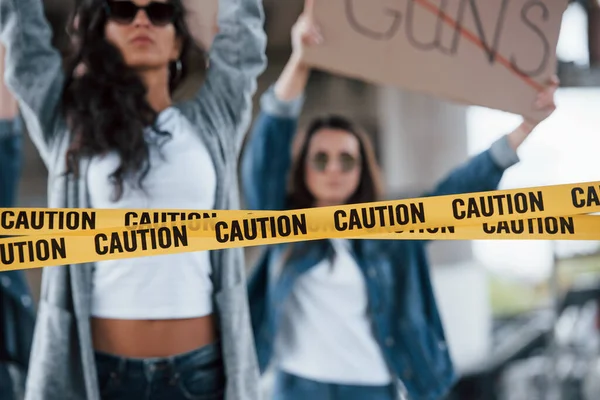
x=370, y=185
x=105, y=106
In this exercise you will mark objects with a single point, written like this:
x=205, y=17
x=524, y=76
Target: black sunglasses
x=124, y=12
x=347, y=161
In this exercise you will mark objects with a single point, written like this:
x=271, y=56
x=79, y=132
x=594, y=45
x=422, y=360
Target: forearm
x=518, y=136
x=237, y=58
x=482, y=172
x=267, y=157
x=8, y=104
x=292, y=81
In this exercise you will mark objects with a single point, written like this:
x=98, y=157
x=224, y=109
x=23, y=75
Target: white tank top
x=325, y=332
x=181, y=176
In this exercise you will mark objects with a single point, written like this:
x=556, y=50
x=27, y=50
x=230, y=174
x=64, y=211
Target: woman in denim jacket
x=346, y=319
x=170, y=327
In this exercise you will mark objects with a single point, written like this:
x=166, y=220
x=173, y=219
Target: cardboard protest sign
x=496, y=54
x=202, y=20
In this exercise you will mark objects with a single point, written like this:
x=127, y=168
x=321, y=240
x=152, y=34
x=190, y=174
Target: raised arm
x=484, y=171
x=33, y=68
x=236, y=59
x=481, y=173
x=267, y=157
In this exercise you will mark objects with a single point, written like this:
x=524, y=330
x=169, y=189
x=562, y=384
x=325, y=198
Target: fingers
x=552, y=85
x=309, y=6
x=306, y=32
x=309, y=31
x=554, y=81
x=312, y=38
x=315, y=34
x=545, y=98
x=545, y=104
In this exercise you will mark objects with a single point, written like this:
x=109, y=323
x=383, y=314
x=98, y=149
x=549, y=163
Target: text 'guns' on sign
x=496, y=54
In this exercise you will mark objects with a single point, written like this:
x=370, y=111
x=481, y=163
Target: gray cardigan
x=62, y=362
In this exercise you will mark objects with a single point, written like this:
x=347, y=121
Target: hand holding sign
x=544, y=103
x=496, y=54
x=305, y=31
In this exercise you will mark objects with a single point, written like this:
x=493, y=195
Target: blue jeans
x=6, y=385
x=196, y=375
x=10, y=162
x=292, y=387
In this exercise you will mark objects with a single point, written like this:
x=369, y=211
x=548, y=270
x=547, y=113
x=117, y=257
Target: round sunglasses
x=321, y=159
x=124, y=12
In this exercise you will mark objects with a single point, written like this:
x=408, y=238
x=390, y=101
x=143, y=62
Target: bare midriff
x=152, y=338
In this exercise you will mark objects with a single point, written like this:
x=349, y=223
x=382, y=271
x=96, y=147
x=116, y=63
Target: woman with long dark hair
x=346, y=319
x=168, y=327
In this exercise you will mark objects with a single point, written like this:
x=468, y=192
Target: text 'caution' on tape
x=48, y=237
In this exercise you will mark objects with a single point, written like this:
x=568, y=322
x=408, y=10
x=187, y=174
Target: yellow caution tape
x=47, y=237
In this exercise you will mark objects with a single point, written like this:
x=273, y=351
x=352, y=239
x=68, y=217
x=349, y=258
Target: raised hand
x=305, y=31
x=544, y=102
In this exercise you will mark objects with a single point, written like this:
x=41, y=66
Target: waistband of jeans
x=10, y=127
x=281, y=373
x=204, y=355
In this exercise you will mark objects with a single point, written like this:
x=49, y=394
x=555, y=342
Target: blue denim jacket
x=17, y=319
x=17, y=315
x=402, y=307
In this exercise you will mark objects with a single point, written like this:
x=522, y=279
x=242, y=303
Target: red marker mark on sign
x=470, y=36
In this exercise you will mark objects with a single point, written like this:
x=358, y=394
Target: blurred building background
x=499, y=299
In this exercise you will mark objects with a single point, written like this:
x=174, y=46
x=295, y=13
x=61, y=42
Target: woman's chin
x=327, y=201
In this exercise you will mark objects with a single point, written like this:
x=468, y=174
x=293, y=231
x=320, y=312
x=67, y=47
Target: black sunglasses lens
x=125, y=12
x=161, y=13
x=320, y=161
x=122, y=11
x=348, y=162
